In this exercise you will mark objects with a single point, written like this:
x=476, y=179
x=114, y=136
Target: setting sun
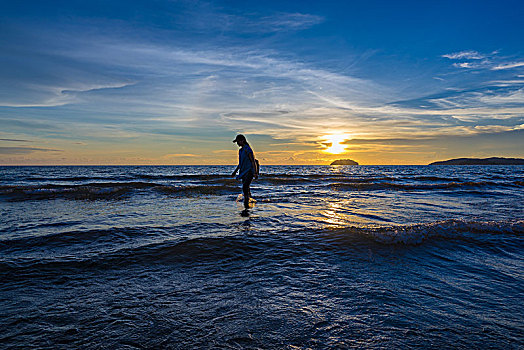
x=336, y=144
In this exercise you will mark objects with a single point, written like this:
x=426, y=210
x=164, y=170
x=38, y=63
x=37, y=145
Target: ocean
x=163, y=257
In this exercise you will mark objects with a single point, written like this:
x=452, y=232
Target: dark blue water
x=329, y=257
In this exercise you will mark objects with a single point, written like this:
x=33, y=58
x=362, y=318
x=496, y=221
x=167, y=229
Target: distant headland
x=481, y=161
x=344, y=162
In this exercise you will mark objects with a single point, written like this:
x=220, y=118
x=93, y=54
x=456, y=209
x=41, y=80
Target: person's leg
x=246, y=182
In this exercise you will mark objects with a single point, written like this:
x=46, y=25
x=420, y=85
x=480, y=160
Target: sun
x=336, y=146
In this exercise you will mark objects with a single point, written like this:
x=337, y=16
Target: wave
x=69, y=238
x=167, y=251
x=108, y=190
x=197, y=185
x=120, y=191
x=195, y=190
x=91, y=191
x=69, y=178
x=126, y=246
x=192, y=177
x=340, y=186
x=415, y=234
x=265, y=178
x=294, y=180
x=432, y=178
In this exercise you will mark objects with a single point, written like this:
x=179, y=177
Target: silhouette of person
x=246, y=166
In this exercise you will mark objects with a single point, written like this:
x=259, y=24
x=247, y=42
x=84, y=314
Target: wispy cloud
x=505, y=83
x=180, y=155
x=161, y=79
x=15, y=140
x=465, y=65
x=284, y=21
x=29, y=126
x=508, y=65
x=25, y=150
x=470, y=55
x=53, y=96
x=476, y=60
x=208, y=18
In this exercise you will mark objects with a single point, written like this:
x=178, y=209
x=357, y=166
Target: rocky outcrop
x=481, y=161
x=344, y=162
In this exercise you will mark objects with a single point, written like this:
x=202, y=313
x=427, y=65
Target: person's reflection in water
x=247, y=168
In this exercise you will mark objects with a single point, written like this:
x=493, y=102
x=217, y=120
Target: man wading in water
x=247, y=166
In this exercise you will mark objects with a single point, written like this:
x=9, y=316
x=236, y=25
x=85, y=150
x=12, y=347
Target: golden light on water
x=336, y=146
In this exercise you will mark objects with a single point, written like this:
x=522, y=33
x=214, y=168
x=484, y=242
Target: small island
x=344, y=162
x=481, y=161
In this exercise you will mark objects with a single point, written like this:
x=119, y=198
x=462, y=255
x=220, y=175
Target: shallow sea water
x=368, y=257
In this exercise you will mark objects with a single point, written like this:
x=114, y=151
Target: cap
x=239, y=137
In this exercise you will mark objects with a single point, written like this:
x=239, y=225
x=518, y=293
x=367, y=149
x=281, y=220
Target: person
x=246, y=166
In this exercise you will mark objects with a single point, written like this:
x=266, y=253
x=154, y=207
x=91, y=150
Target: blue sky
x=171, y=82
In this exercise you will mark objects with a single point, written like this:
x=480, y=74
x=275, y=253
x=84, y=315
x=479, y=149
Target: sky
x=307, y=82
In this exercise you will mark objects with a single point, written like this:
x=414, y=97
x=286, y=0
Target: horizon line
x=197, y=164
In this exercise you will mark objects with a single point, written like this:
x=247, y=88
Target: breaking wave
x=109, y=190
x=122, y=246
x=418, y=233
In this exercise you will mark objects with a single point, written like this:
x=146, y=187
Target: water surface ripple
x=329, y=257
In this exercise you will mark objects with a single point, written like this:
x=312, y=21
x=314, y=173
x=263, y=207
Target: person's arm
x=253, y=164
x=238, y=166
x=235, y=172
